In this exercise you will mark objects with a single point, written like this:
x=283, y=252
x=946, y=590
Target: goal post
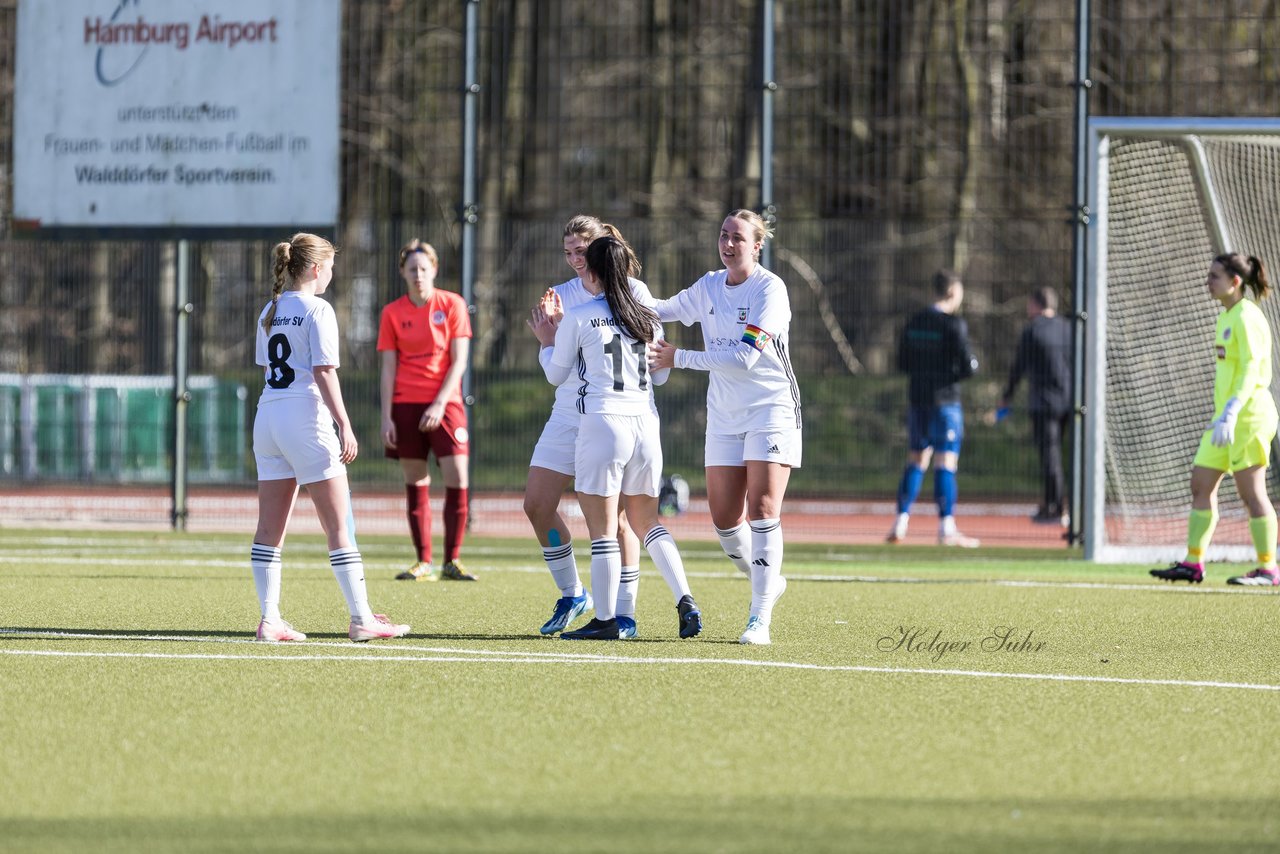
x=1165, y=195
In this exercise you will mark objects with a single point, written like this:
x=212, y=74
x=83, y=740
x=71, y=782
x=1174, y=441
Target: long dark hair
x=610, y=259
x=1248, y=269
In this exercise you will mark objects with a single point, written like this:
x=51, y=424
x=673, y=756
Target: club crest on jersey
x=1226, y=334
x=437, y=317
x=742, y=315
x=1222, y=352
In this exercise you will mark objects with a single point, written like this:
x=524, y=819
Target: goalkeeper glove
x=1224, y=426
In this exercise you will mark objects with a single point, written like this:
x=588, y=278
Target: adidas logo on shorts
x=773, y=449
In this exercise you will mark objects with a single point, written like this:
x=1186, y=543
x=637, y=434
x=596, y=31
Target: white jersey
x=607, y=368
x=572, y=294
x=303, y=334
x=746, y=392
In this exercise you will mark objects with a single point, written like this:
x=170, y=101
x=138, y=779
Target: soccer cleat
x=1180, y=571
x=757, y=633
x=420, y=571
x=380, y=629
x=626, y=627
x=568, y=609
x=897, y=533
x=1259, y=577
x=958, y=540
x=278, y=632
x=594, y=630
x=455, y=571
x=690, y=617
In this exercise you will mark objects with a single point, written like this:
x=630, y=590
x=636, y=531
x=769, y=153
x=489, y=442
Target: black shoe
x=690, y=617
x=1045, y=516
x=1180, y=571
x=594, y=630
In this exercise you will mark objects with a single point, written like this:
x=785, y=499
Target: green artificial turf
x=1119, y=716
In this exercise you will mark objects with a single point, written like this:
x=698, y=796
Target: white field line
x=452, y=655
x=312, y=564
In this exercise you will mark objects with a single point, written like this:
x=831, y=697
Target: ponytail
x=280, y=255
x=289, y=259
x=610, y=259
x=633, y=263
x=1258, y=278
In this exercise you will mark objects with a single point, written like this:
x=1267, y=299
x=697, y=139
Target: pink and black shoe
x=1181, y=571
x=1259, y=577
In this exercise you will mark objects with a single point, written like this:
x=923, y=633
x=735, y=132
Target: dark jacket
x=934, y=353
x=1044, y=356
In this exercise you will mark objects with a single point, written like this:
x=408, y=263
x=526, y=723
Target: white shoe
x=898, y=532
x=380, y=629
x=757, y=633
x=279, y=632
x=958, y=540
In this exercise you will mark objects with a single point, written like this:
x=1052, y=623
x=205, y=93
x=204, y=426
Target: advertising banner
x=177, y=115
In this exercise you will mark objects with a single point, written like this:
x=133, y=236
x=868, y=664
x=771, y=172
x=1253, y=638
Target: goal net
x=1166, y=196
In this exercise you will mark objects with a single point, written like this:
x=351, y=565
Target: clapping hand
x=545, y=317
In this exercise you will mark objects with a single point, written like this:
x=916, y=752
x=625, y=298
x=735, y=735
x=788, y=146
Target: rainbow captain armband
x=756, y=337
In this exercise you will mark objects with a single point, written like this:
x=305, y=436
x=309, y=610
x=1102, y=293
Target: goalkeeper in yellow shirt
x=1239, y=438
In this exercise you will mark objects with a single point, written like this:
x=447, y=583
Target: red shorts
x=448, y=440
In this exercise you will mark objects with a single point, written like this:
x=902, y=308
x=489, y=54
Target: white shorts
x=619, y=454
x=294, y=437
x=771, y=446
x=556, y=446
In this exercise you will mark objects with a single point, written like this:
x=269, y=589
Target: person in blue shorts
x=934, y=353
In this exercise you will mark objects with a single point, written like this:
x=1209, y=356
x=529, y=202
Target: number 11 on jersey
x=614, y=348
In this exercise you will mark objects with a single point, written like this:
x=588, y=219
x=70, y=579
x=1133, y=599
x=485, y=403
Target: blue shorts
x=937, y=427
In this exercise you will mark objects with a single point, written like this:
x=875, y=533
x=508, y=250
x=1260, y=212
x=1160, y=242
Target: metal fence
x=905, y=136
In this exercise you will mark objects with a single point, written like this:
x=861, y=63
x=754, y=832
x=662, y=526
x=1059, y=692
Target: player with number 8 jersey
x=303, y=333
x=294, y=442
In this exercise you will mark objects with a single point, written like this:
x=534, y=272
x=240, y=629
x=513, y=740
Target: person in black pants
x=1044, y=357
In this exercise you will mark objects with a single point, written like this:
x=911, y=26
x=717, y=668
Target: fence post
x=181, y=394
x=769, y=86
x=470, y=204
x=1079, y=263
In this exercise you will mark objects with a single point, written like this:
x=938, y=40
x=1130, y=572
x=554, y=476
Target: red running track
x=839, y=522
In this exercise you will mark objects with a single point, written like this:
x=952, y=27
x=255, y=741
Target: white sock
x=736, y=545
x=606, y=576
x=947, y=526
x=766, y=564
x=564, y=569
x=662, y=548
x=266, y=564
x=627, y=592
x=900, y=524
x=348, y=568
